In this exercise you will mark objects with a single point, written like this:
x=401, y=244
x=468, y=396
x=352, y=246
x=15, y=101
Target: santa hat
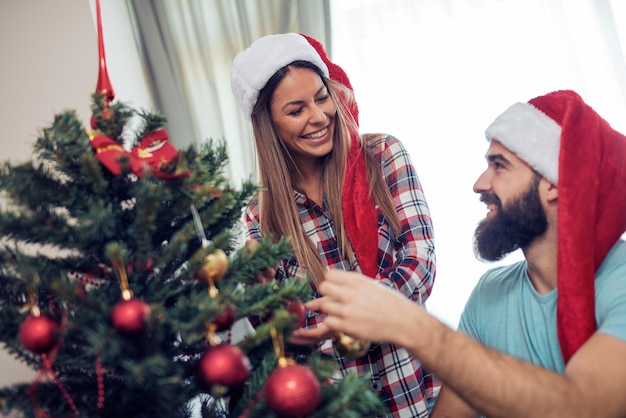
x=567, y=142
x=253, y=67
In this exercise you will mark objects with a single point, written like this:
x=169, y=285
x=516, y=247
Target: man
x=555, y=186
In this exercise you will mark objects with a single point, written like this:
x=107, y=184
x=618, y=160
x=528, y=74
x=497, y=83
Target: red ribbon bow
x=153, y=152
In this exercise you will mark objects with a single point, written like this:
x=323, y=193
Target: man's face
x=521, y=218
x=513, y=226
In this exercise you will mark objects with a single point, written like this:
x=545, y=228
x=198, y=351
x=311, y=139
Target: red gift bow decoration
x=153, y=152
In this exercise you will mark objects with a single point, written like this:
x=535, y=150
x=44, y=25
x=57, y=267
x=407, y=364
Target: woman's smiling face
x=304, y=114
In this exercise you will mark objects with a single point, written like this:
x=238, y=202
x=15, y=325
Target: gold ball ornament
x=215, y=266
x=350, y=347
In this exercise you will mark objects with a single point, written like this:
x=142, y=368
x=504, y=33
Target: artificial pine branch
x=78, y=236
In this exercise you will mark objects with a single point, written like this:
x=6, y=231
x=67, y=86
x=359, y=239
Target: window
x=436, y=73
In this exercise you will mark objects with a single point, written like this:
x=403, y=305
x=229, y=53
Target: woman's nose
x=318, y=115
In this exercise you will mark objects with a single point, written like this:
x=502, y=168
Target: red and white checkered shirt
x=405, y=263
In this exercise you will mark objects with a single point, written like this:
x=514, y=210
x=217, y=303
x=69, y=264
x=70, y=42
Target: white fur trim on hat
x=532, y=135
x=254, y=66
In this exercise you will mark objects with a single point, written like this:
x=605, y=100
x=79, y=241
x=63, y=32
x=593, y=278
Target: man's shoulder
x=492, y=297
x=616, y=256
x=502, y=278
x=500, y=272
x=611, y=275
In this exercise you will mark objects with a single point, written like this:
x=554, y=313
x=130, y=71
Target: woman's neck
x=309, y=181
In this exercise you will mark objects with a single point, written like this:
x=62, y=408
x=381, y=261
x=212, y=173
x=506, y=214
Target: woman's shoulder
x=378, y=138
x=252, y=208
x=382, y=143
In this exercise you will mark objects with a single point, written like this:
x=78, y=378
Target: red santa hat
x=566, y=141
x=251, y=70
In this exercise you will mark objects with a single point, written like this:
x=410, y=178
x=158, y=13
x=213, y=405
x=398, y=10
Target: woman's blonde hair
x=278, y=214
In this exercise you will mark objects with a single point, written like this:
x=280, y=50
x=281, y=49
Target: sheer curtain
x=435, y=73
x=188, y=47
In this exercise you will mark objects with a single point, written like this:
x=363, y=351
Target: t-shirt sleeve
x=469, y=324
x=611, y=293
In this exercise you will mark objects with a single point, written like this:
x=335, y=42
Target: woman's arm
x=409, y=265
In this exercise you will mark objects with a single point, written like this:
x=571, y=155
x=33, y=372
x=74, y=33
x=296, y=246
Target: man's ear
x=552, y=191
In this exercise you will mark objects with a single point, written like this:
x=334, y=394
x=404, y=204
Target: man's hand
x=361, y=307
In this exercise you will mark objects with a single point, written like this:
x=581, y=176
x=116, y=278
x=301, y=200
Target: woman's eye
x=323, y=98
x=295, y=112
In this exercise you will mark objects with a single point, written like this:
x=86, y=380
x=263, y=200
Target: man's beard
x=512, y=227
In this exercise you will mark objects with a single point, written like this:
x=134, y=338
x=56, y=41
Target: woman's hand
x=311, y=336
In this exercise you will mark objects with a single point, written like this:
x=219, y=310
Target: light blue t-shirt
x=506, y=313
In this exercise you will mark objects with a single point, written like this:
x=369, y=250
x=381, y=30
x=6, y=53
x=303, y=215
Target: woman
x=346, y=201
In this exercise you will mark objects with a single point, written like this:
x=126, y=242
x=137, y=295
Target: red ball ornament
x=292, y=391
x=223, y=369
x=298, y=309
x=38, y=333
x=106, y=113
x=129, y=316
x=226, y=319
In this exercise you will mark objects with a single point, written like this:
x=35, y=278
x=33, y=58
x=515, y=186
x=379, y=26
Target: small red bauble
x=292, y=391
x=106, y=113
x=38, y=333
x=298, y=309
x=226, y=319
x=129, y=316
x=223, y=369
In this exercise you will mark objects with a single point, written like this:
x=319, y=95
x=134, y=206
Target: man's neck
x=541, y=257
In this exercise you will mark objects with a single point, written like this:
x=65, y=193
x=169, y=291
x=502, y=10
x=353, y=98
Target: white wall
x=436, y=74
x=49, y=53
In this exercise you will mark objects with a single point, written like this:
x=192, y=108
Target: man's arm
x=450, y=405
x=490, y=382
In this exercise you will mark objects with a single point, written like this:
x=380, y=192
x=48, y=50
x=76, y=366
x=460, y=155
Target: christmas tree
x=121, y=274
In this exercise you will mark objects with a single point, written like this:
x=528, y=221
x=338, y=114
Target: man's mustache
x=490, y=198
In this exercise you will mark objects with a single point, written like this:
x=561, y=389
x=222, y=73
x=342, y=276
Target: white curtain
x=435, y=73
x=188, y=47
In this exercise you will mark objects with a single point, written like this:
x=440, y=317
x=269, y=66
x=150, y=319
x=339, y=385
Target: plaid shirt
x=405, y=263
